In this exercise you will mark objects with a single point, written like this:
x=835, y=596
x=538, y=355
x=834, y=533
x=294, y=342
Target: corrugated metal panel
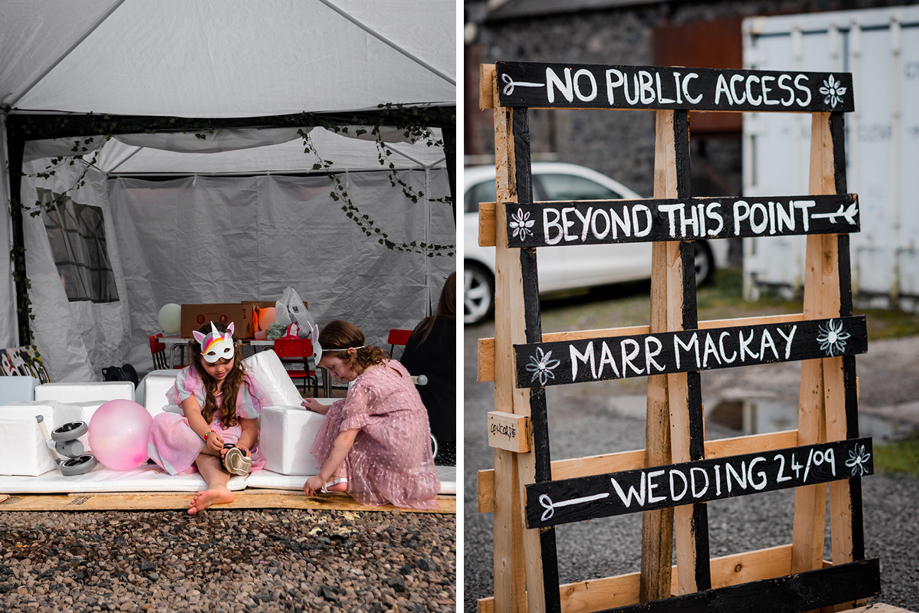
x=881, y=48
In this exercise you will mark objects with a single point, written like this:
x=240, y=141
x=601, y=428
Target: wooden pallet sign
x=671, y=480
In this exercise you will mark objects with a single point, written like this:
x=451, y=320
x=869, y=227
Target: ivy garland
x=412, y=121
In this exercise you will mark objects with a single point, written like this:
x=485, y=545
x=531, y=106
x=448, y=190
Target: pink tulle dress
x=174, y=446
x=391, y=460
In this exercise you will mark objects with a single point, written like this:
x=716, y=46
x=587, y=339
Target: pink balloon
x=118, y=433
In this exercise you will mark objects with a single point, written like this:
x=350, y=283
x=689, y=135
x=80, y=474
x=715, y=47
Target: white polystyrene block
x=65, y=413
x=155, y=388
x=23, y=449
x=83, y=392
x=270, y=373
x=17, y=389
x=286, y=436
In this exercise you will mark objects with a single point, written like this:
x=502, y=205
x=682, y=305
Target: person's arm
x=340, y=448
x=196, y=422
x=311, y=404
x=249, y=437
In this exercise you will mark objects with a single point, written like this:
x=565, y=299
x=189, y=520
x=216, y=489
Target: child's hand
x=311, y=404
x=214, y=442
x=313, y=485
x=224, y=451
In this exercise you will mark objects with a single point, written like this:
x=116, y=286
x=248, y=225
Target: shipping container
x=880, y=47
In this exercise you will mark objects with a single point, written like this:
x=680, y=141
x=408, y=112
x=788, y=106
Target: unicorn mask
x=216, y=345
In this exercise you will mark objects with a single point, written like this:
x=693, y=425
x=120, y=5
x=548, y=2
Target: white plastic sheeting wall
x=880, y=47
x=227, y=239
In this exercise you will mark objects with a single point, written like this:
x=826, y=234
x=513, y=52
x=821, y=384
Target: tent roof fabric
x=226, y=58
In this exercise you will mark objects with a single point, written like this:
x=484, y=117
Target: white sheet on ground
x=103, y=479
x=265, y=479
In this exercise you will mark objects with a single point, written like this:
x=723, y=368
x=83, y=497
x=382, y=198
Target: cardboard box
x=196, y=315
x=243, y=315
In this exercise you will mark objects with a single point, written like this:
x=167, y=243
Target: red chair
x=158, y=351
x=397, y=337
x=298, y=351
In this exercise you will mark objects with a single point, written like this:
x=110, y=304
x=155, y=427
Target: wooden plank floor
x=246, y=499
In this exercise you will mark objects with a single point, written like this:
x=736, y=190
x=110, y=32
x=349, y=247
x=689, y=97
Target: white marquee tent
x=229, y=207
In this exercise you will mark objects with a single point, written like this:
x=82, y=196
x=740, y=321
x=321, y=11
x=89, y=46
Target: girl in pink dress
x=375, y=443
x=218, y=433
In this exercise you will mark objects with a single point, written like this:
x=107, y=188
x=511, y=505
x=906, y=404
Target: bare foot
x=202, y=500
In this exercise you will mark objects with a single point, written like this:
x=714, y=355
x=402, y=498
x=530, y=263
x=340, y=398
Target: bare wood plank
x=810, y=502
x=509, y=570
x=174, y=500
x=877, y=607
x=486, y=346
x=635, y=460
x=509, y=431
x=622, y=590
x=657, y=526
x=487, y=95
x=486, y=224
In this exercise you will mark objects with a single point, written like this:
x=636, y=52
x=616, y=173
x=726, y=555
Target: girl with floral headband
x=375, y=443
x=218, y=433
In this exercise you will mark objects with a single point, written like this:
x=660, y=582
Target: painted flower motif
x=521, y=224
x=858, y=460
x=832, y=338
x=542, y=365
x=833, y=90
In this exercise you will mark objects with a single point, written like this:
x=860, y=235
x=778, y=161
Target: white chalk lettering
x=692, y=344
x=567, y=223
x=636, y=225
x=660, y=94
x=724, y=356
x=606, y=357
x=763, y=479
x=566, y=88
x=804, y=89
x=627, y=498
x=744, y=343
x=689, y=98
x=784, y=86
x=741, y=478
x=766, y=90
x=750, y=80
x=721, y=87
x=550, y=222
x=714, y=215
x=577, y=85
x=673, y=495
x=651, y=485
x=611, y=85
x=585, y=219
x=627, y=358
x=710, y=349
x=577, y=356
x=764, y=341
x=649, y=355
x=697, y=493
x=593, y=223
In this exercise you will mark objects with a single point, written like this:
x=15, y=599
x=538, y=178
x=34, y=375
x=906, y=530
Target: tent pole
x=449, y=136
x=15, y=149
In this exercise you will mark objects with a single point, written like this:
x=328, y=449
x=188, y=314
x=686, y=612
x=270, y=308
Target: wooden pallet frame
x=525, y=564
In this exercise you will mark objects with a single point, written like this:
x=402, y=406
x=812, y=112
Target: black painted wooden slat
x=789, y=594
x=659, y=487
x=553, y=85
x=538, y=410
x=550, y=363
x=560, y=224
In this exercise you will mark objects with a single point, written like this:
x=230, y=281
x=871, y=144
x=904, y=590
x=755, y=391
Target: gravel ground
x=596, y=418
x=227, y=560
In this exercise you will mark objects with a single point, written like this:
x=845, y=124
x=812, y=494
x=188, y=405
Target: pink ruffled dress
x=174, y=446
x=391, y=460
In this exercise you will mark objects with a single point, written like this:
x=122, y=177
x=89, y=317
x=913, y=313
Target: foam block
x=286, y=436
x=270, y=373
x=17, y=389
x=102, y=391
x=65, y=413
x=155, y=388
x=23, y=449
x=104, y=479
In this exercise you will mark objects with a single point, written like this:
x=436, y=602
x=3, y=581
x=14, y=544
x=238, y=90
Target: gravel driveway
x=606, y=417
x=227, y=560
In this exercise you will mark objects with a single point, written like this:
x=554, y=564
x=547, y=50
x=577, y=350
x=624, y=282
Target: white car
x=571, y=267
